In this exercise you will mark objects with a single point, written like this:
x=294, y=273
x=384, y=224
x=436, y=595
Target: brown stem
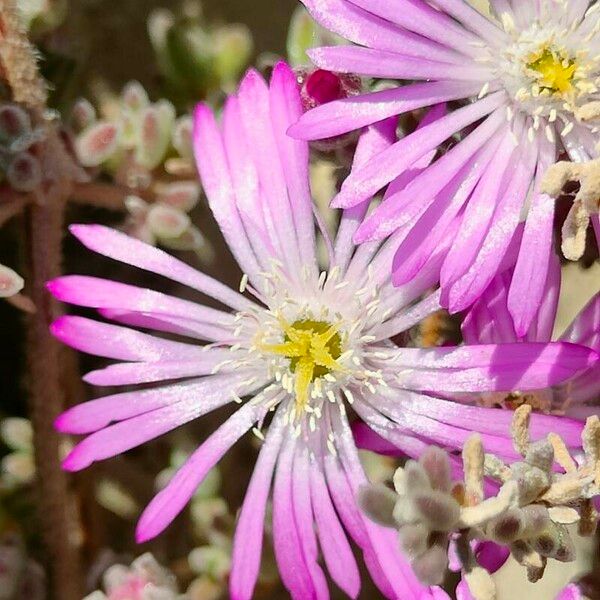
x=105, y=195
x=46, y=400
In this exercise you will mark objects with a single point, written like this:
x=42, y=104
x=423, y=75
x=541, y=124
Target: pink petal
x=170, y=501
x=341, y=116
x=128, y=250
x=249, y=531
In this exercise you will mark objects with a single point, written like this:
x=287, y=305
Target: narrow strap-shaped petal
x=122, y=343
x=375, y=139
x=585, y=328
x=391, y=65
x=417, y=16
x=478, y=275
x=254, y=102
x=151, y=372
x=130, y=251
x=253, y=212
x=335, y=547
x=249, y=531
x=94, y=415
x=95, y=292
x=479, y=211
x=367, y=181
x=303, y=513
x=385, y=545
x=503, y=367
x=542, y=327
x=286, y=109
x=448, y=182
x=340, y=116
x=169, y=324
x=533, y=262
x=366, y=29
x=472, y=19
x=288, y=550
x=171, y=500
x=214, y=172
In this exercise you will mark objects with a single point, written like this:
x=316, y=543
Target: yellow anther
x=313, y=348
x=555, y=71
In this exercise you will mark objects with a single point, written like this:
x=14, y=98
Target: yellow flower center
x=555, y=70
x=313, y=348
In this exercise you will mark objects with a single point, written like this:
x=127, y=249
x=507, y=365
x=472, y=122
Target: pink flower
x=525, y=83
x=300, y=347
x=488, y=321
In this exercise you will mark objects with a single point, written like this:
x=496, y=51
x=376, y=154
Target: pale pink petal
x=288, y=550
x=188, y=396
x=332, y=538
x=341, y=116
x=128, y=250
x=170, y=501
x=249, y=531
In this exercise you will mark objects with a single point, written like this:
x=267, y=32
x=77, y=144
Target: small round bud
x=24, y=172
x=377, y=502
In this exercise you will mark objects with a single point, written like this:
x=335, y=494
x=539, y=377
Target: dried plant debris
x=529, y=514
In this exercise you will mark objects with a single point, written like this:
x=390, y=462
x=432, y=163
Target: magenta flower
x=294, y=354
x=526, y=86
x=488, y=321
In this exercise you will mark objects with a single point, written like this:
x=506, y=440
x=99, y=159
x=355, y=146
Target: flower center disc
x=554, y=71
x=313, y=348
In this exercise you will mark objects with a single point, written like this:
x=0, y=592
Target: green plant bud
x=430, y=568
x=190, y=58
x=232, y=47
x=11, y=283
x=377, y=502
x=436, y=463
x=134, y=96
x=507, y=527
x=156, y=122
x=166, y=221
x=302, y=35
x=440, y=511
x=413, y=539
x=97, y=143
x=17, y=433
x=182, y=137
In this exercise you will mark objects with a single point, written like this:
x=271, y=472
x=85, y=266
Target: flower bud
x=232, y=46
x=155, y=134
x=182, y=195
x=17, y=433
x=166, y=221
x=134, y=96
x=97, y=143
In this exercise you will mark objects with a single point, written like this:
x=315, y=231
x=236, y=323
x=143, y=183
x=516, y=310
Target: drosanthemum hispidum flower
x=299, y=348
x=523, y=83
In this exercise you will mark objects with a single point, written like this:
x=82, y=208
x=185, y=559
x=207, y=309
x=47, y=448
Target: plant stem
x=46, y=401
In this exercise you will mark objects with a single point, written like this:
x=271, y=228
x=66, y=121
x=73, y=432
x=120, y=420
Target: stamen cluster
x=528, y=514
